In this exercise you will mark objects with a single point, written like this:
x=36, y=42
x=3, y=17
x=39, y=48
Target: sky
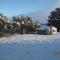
x=16, y=7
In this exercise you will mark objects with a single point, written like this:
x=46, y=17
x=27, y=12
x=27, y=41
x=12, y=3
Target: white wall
x=54, y=30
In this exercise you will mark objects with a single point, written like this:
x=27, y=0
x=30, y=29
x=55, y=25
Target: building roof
x=42, y=28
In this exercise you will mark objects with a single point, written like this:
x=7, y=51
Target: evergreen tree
x=54, y=18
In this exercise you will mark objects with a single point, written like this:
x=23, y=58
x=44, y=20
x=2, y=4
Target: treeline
x=25, y=24
x=17, y=24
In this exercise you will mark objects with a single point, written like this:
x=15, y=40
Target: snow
x=30, y=47
x=29, y=38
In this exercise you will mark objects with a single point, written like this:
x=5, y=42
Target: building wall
x=52, y=30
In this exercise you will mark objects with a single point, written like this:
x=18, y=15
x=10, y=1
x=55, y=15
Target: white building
x=48, y=30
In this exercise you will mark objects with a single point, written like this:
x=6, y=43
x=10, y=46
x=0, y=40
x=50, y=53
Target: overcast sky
x=16, y=7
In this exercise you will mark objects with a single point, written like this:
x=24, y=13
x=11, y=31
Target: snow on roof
x=42, y=28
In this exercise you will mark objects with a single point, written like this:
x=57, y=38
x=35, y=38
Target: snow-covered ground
x=29, y=38
x=30, y=47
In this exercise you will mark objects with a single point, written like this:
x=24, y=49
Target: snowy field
x=29, y=38
x=30, y=47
